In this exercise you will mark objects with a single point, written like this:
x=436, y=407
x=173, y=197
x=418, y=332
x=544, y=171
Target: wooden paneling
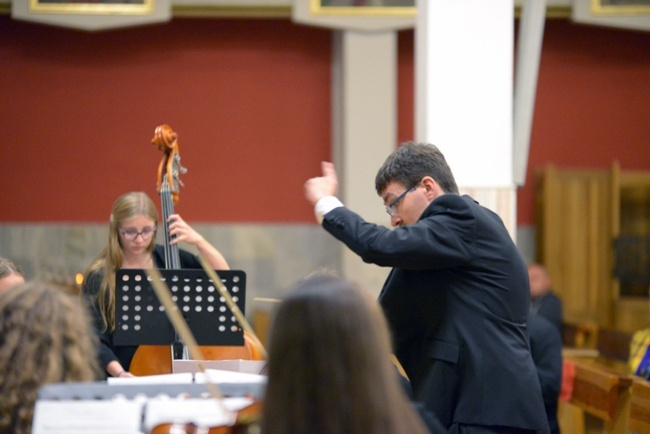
x=573, y=242
x=579, y=215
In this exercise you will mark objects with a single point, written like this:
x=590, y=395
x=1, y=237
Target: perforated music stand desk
x=140, y=318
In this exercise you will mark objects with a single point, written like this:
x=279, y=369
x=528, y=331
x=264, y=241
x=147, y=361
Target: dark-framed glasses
x=132, y=234
x=390, y=208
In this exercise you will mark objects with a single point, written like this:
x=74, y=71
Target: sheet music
x=83, y=417
x=236, y=365
x=182, y=378
x=218, y=376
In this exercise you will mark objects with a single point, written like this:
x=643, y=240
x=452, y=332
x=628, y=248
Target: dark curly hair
x=45, y=337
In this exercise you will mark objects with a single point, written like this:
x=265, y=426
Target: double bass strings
x=172, y=258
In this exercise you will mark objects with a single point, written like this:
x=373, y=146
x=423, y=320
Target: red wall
x=250, y=100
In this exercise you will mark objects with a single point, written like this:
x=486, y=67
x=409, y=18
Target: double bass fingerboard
x=172, y=256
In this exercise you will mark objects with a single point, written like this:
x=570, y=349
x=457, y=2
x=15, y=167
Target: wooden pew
x=601, y=388
x=613, y=344
x=639, y=419
x=579, y=334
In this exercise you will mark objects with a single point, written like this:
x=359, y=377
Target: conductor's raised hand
x=322, y=186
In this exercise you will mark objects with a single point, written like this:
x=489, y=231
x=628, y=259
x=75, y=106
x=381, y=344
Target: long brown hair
x=46, y=337
x=110, y=259
x=329, y=368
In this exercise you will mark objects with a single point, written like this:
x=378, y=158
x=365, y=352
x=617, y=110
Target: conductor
x=456, y=298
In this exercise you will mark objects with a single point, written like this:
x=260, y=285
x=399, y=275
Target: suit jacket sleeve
x=442, y=238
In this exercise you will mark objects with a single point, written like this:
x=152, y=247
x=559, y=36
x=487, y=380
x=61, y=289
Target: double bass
x=158, y=359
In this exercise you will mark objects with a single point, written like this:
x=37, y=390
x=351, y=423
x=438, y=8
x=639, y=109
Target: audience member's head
x=10, y=274
x=329, y=365
x=540, y=280
x=45, y=337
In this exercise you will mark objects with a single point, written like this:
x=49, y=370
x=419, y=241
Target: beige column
x=365, y=130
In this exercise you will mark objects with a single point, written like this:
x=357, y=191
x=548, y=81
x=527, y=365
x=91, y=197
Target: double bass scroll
x=169, y=169
x=168, y=184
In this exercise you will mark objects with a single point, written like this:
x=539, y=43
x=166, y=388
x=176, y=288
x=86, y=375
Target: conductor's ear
x=431, y=187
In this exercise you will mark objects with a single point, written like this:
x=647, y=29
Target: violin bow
x=231, y=304
x=183, y=330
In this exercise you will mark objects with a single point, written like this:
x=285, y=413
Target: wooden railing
x=602, y=390
x=601, y=385
x=639, y=419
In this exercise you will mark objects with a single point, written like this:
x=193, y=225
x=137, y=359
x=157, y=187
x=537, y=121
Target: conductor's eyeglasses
x=390, y=208
x=132, y=234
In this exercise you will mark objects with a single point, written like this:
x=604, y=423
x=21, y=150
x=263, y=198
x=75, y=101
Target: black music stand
x=140, y=318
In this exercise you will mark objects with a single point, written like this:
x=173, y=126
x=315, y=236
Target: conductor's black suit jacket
x=457, y=300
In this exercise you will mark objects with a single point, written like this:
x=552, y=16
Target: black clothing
x=123, y=353
x=457, y=303
x=546, y=348
x=549, y=306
